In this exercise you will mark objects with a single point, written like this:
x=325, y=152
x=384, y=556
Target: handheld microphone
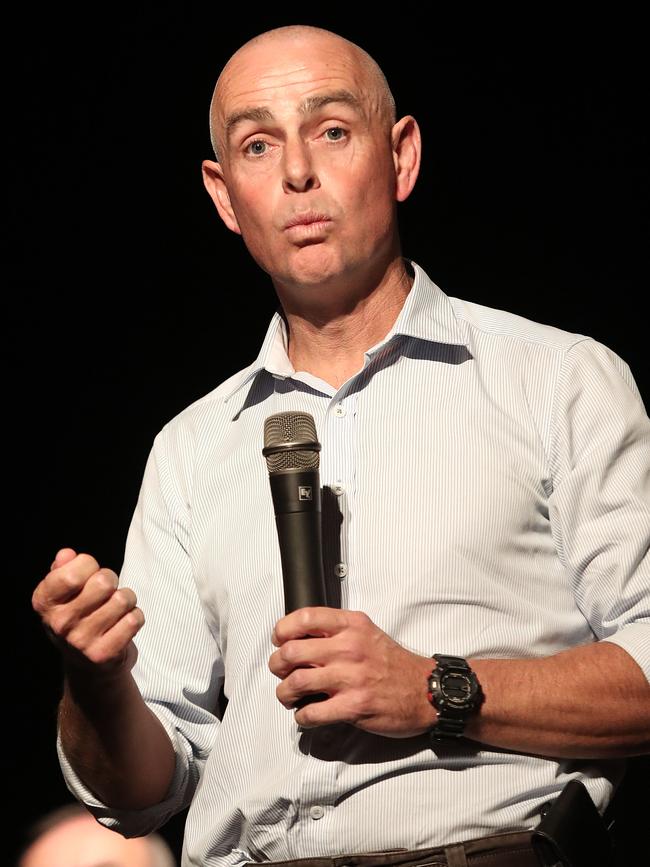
x=291, y=451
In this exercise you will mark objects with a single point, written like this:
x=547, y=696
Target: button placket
x=338, y=462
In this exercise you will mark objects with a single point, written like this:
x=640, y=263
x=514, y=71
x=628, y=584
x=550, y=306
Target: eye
x=335, y=133
x=256, y=148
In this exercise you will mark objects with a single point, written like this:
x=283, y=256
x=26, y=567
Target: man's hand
x=88, y=618
x=114, y=742
x=372, y=682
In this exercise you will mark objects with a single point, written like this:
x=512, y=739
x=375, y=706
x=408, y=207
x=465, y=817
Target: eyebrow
x=309, y=105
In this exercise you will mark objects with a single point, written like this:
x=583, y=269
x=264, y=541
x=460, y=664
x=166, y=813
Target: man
x=71, y=837
x=487, y=510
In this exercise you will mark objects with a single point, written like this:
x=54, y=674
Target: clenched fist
x=86, y=615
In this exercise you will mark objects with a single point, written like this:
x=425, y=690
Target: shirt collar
x=427, y=314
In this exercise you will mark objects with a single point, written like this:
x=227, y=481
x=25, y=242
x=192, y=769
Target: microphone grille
x=290, y=442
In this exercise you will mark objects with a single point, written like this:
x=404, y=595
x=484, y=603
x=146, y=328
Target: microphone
x=291, y=451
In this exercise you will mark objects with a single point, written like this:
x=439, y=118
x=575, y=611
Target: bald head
x=71, y=837
x=302, y=40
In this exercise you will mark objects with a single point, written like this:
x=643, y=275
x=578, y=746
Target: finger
x=305, y=681
x=63, y=555
x=65, y=582
x=97, y=590
x=66, y=616
x=301, y=653
x=113, y=644
x=304, y=622
x=103, y=619
x=320, y=713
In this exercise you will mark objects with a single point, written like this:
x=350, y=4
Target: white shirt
x=492, y=477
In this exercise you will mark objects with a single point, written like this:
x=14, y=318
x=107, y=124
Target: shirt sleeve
x=179, y=670
x=600, y=504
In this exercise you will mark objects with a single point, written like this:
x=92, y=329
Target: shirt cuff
x=635, y=639
x=137, y=823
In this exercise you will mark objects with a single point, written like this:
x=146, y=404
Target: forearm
x=591, y=701
x=114, y=742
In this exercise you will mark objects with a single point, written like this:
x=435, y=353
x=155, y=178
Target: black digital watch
x=455, y=693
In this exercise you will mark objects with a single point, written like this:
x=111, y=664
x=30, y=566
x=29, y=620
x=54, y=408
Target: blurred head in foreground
x=71, y=837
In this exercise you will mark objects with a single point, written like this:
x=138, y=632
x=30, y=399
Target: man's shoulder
x=211, y=410
x=521, y=344
x=493, y=322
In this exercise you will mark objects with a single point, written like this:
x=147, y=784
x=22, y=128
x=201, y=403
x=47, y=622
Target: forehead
x=282, y=75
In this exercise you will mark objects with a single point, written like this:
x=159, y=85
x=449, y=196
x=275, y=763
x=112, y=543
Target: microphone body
x=291, y=451
x=297, y=504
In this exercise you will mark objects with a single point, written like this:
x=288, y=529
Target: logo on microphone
x=304, y=492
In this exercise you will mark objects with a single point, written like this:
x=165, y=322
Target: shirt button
x=339, y=410
x=341, y=570
x=338, y=489
x=316, y=812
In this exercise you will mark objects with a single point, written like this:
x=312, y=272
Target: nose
x=299, y=174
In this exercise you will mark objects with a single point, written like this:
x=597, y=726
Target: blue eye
x=256, y=147
x=340, y=132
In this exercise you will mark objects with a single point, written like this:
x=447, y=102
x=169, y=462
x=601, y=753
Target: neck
x=330, y=342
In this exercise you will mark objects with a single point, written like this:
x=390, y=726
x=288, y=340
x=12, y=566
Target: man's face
x=306, y=161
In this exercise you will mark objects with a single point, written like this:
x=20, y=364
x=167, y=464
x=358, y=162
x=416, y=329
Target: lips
x=306, y=219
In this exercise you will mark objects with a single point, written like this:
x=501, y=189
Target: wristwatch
x=455, y=693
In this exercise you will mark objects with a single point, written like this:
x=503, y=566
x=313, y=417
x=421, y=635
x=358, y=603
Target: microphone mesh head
x=295, y=428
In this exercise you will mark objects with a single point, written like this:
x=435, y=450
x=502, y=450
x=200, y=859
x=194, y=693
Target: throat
x=332, y=344
x=332, y=371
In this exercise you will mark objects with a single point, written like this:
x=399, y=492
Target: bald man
x=71, y=837
x=483, y=511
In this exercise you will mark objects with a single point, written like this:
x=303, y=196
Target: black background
x=127, y=298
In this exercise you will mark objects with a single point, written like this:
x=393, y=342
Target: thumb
x=63, y=556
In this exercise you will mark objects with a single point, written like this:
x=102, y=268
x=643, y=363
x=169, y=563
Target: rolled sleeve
x=135, y=823
x=179, y=669
x=600, y=504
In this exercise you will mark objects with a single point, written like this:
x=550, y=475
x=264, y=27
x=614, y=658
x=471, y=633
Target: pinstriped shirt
x=486, y=489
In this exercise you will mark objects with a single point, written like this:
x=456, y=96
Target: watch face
x=457, y=688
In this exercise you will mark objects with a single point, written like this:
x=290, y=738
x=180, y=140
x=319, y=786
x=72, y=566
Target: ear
x=215, y=184
x=407, y=150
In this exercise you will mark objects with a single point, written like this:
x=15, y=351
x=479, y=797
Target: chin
x=314, y=267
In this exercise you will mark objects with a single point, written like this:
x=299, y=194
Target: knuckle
x=38, y=602
x=71, y=579
x=105, y=580
x=305, y=618
x=125, y=598
x=360, y=703
x=308, y=715
x=273, y=662
x=288, y=652
x=359, y=619
x=299, y=679
x=60, y=622
x=354, y=652
x=86, y=562
x=135, y=618
x=97, y=654
x=76, y=639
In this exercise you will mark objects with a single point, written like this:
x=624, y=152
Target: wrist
x=97, y=690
